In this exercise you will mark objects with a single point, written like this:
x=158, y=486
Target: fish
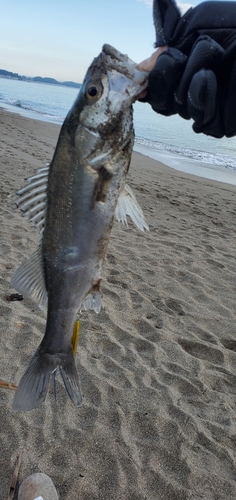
x=73, y=201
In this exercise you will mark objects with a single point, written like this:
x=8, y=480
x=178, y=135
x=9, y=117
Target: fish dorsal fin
x=93, y=301
x=33, y=198
x=128, y=205
x=29, y=279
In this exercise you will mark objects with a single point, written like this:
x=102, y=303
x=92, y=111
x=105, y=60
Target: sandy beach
x=157, y=365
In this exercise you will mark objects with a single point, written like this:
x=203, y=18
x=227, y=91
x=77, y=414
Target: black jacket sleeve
x=196, y=76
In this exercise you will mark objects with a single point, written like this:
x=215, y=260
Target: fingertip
x=149, y=63
x=142, y=66
x=143, y=94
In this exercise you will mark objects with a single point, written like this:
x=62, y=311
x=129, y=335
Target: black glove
x=196, y=76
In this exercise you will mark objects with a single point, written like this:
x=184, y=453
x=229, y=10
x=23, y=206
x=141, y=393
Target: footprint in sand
x=170, y=306
x=229, y=344
x=202, y=351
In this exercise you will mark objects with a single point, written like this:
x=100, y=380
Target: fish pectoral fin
x=128, y=205
x=29, y=280
x=93, y=301
x=33, y=387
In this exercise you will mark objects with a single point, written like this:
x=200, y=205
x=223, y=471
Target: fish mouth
x=121, y=63
x=114, y=53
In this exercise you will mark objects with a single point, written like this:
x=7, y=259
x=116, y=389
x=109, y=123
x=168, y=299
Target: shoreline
x=189, y=166
x=157, y=364
x=174, y=161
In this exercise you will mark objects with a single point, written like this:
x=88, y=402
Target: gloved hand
x=196, y=76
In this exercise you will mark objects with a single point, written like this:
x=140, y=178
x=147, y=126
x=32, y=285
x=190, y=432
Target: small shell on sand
x=37, y=486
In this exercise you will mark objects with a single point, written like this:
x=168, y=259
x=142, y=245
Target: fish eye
x=92, y=92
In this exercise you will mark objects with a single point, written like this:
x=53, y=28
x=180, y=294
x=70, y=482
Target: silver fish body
x=84, y=181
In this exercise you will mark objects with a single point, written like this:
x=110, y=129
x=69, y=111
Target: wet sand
x=157, y=365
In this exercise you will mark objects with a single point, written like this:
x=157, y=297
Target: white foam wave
x=201, y=156
x=8, y=101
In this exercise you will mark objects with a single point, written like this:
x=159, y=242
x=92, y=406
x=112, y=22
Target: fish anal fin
x=93, y=301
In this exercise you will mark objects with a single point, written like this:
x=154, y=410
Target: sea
x=170, y=140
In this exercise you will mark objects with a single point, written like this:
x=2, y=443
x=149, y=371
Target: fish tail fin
x=71, y=381
x=33, y=387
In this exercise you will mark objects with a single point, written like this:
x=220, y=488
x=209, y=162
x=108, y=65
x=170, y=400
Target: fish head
x=105, y=124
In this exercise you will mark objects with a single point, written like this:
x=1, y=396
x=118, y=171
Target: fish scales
x=85, y=187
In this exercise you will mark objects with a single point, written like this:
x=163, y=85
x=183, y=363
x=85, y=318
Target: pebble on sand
x=37, y=486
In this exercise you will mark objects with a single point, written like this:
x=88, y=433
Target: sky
x=59, y=39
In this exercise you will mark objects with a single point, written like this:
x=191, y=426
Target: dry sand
x=158, y=364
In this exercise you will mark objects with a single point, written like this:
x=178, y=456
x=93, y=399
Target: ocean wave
x=201, y=156
x=13, y=102
x=26, y=107
x=21, y=105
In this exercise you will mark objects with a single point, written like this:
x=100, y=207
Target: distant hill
x=38, y=79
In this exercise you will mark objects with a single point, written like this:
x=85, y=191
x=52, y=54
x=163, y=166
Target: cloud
x=183, y=7
x=146, y=2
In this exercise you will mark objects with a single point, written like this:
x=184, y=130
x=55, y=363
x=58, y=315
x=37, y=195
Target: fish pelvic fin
x=33, y=387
